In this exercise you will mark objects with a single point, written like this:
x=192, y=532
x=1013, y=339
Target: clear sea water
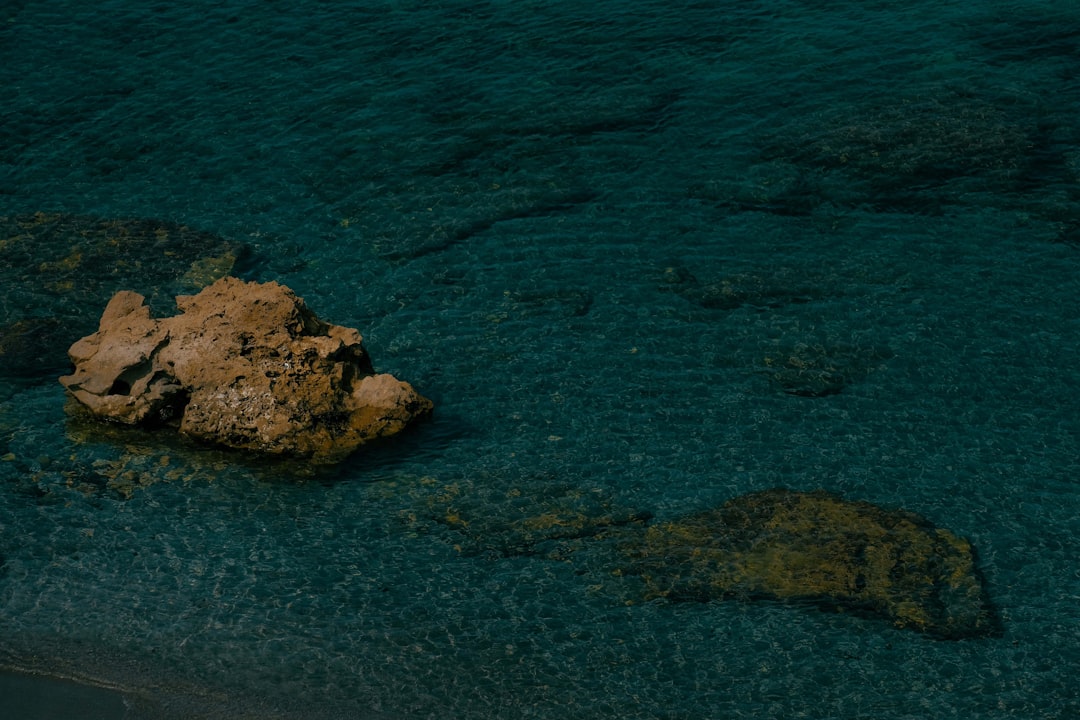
x=640, y=254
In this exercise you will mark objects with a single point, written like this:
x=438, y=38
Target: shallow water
x=643, y=255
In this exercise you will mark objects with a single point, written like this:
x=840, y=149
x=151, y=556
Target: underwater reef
x=803, y=549
x=819, y=549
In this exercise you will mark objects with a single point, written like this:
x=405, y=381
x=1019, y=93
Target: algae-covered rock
x=818, y=548
x=916, y=153
x=795, y=547
x=817, y=369
x=904, y=152
x=779, y=287
x=564, y=521
x=31, y=345
x=496, y=514
x=917, y=138
x=803, y=362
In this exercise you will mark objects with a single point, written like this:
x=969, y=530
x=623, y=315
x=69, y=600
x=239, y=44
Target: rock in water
x=818, y=548
x=245, y=365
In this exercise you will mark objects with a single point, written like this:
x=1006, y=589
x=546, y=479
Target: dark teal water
x=641, y=254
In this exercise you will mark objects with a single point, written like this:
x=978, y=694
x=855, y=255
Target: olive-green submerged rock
x=807, y=549
x=819, y=549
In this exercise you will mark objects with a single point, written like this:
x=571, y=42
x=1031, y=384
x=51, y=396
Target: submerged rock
x=778, y=288
x=815, y=369
x=29, y=345
x=820, y=549
x=245, y=365
x=57, y=270
x=915, y=154
x=806, y=549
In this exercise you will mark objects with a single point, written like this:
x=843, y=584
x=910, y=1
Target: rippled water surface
x=644, y=257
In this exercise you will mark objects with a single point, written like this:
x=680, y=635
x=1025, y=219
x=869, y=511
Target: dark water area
x=644, y=257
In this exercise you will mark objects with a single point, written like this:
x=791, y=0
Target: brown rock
x=246, y=365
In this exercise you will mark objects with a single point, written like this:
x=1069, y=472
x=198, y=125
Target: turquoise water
x=645, y=255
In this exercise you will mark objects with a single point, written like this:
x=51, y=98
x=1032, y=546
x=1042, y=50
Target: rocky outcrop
x=245, y=365
x=816, y=548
